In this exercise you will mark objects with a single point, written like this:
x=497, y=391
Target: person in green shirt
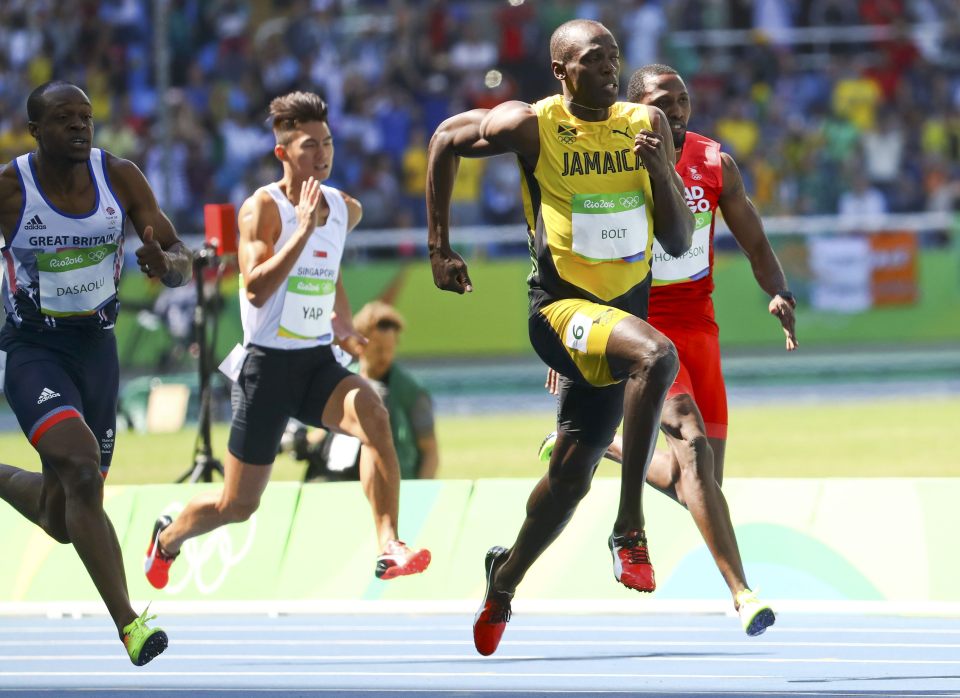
x=337, y=456
x=409, y=403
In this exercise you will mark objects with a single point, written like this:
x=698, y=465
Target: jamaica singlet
x=588, y=205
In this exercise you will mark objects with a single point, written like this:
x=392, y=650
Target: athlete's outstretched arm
x=475, y=133
x=162, y=256
x=673, y=221
x=745, y=224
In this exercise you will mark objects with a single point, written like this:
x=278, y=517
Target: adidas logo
x=35, y=224
x=45, y=395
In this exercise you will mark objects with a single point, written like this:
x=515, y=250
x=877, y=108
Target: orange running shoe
x=631, y=561
x=397, y=560
x=156, y=565
x=491, y=619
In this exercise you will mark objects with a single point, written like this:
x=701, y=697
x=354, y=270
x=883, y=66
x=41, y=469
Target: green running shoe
x=143, y=643
x=546, y=447
x=755, y=615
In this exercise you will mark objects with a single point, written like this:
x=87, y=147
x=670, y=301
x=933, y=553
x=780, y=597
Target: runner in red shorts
x=694, y=417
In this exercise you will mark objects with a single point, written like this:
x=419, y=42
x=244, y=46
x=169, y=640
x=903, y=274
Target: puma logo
x=625, y=132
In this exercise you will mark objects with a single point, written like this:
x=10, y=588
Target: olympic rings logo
x=629, y=201
x=96, y=255
x=205, y=562
x=567, y=140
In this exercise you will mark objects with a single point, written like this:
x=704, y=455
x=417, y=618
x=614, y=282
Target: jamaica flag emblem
x=566, y=133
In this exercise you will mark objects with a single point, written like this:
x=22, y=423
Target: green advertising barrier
x=332, y=549
x=804, y=540
x=241, y=561
x=40, y=569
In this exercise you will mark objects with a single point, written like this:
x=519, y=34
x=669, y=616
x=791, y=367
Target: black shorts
x=50, y=378
x=275, y=385
x=588, y=412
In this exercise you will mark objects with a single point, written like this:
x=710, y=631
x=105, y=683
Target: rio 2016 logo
x=205, y=562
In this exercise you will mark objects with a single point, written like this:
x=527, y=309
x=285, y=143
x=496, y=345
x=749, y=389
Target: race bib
x=307, y=308
x=692, y=264
x=609, y=227
x=77, y=281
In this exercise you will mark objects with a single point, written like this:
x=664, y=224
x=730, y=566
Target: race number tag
x=233, y=363
x=692, y=264
x=77, y=281
x=307, y=308
x=610, y=226
x=578, y=332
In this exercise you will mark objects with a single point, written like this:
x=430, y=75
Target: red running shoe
x=157, y=563
x=631, y=561
x=397, y=560
x=494, y=613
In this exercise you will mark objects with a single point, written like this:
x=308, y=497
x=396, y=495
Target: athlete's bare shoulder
x=11, y=194
x=120, y=169
x=513, y=125
x=128, y=181
x=259, y=216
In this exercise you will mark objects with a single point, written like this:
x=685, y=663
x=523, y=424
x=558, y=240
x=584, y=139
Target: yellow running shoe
x=143, y=643
x=755, y=615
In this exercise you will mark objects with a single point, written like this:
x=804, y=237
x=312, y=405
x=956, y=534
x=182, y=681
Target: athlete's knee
x=664, y=362
x=237, y=510
x=656, y=360
x=570, y=479
x=79, y=473
x=373, y=416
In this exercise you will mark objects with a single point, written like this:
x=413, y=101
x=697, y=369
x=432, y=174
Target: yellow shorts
x=583, y=328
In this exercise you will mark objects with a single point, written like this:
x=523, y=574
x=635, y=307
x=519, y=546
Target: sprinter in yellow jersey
x=598, y=184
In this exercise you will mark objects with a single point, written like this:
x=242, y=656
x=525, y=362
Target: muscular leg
x=355, y=408
x=243, y=485
x=648, y=361
x=692, y=483
x=38, y=497
x=70, y=450
x=550, y=506
x=719, y=447
x=690, y=473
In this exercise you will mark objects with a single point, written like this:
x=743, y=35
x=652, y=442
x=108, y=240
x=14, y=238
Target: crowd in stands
x=821, y=122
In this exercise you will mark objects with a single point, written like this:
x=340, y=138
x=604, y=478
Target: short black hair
x=564, y=38
x=36, y=104
x=638, y=81
x=291, y=110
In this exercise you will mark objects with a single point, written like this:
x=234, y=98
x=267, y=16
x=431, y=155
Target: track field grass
x=889, y=438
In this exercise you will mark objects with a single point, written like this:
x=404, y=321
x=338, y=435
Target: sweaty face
x=670, y=94
x=65, y=128
x=593, y=69
x=310, y=151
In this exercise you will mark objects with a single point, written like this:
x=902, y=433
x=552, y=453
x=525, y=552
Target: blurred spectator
x=335, y=456
x=392, y=70
x=862, y=201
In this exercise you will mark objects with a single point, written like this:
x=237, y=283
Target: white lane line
x=654, y=643
x=284, y=658
x=483, y=691
x=418, y=628
x=139, y=677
